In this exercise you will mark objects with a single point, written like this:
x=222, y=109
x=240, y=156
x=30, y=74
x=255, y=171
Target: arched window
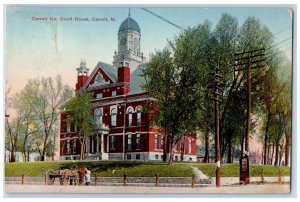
x=139, y=116
x=98, y=115
x=129, y=117
x=113, y=114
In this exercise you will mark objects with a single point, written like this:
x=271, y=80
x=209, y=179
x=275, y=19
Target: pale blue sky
x=47, y=48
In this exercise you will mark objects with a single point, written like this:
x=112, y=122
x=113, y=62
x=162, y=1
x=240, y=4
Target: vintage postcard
x=148, y=100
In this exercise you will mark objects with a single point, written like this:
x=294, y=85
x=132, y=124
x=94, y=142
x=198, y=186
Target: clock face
x=123, y=41
x=136, y=42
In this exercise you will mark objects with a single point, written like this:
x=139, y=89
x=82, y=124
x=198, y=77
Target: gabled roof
x=136, y=80
x=111, y=71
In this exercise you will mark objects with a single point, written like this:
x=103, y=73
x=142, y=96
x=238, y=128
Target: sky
x=35, y=49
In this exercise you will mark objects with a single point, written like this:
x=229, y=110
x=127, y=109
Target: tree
x=81, y=115
x=28, y=122
x=171, y=78
x=37, y=106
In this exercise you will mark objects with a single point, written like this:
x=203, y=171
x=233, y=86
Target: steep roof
x=137, y=80
x=110, y=70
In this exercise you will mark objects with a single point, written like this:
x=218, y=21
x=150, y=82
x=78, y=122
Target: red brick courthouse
x=118, y=100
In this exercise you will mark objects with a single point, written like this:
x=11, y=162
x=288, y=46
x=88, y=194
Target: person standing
x=87, y=177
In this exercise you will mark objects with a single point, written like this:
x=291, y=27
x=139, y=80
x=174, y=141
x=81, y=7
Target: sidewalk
x=12, y=189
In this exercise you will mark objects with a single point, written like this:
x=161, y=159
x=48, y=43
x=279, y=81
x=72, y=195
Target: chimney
x=123, y=72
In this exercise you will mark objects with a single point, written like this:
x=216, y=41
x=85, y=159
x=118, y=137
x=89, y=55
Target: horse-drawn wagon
x=65, y=176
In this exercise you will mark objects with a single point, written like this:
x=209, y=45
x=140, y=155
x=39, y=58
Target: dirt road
x=12, y=189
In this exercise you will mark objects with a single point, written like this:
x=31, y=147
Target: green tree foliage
x=172, y=78
x=37, y=109
x=81, y=115
x=181, y=81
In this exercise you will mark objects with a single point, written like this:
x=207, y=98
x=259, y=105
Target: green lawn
x=232, y=170
x=137, y=169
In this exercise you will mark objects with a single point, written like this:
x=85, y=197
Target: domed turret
x=129, y=44
x=129, y=24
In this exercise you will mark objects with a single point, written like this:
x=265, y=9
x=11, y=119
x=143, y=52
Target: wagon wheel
x=51, y=180
x=50, y=176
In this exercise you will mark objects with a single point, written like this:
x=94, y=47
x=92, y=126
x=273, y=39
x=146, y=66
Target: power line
x=278, y=43
x=278, y=52
x=163, y=19
x=282, y=30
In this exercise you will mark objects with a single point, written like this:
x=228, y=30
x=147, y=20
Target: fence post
x=279, y=177
x=193, y=181
x=157, y=180
x=46, y=179
x=22, y=179
x=262, y=176
x=125, y=180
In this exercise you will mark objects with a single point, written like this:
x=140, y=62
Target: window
x=98, y=116
x=156, y=142
x=113, y=117
x=112, y=142
x=176, y=158
x=190, y=146
x=156, y=156
x=68, y=126
x=113, y=93
x=75, y=125
x=129, y=142
x=99, y=95
x=137, y=156
x=161, y=156
x=138, y=141
x=74, y=146
x=68, y=147
x=162, y=142
x=129, y=117
x=128, y=157
x=139, y=116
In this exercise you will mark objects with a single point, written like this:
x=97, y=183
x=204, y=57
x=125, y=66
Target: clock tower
x=129, y=44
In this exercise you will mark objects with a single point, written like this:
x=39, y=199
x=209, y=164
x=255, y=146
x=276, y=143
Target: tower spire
x=129, y=13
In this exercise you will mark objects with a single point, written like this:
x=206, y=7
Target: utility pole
x=217, y=93
x=246, y=61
